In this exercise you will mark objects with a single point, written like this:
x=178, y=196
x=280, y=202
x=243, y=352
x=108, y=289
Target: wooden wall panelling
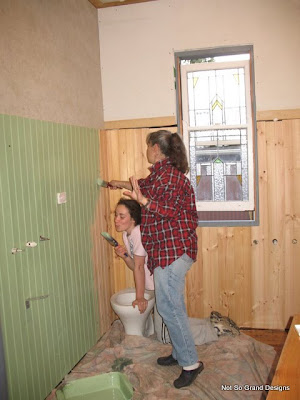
x=295, y=127
x=225, y=255
x=240, y=272
x=272, y=277
x=125, y=155
x=239, y=298
x=288, y=214
x=267, y=262
x=276, y=225
x=292, y=194
x=258, y=239
x=207, y=280
x=194, y=286
x=114, y=167
x=127, y=162
x=226, y=269
x=139, y=152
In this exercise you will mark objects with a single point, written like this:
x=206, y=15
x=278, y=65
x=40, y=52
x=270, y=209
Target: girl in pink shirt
x=127, y=220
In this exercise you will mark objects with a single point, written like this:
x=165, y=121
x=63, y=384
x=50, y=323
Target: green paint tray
x=111, y=386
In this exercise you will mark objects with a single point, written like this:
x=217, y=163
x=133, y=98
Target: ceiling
x=114, y=3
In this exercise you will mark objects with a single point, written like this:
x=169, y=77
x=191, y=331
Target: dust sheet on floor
x=233, y=367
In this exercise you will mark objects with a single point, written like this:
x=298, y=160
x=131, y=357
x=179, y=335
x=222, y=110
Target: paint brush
x=105, y=184
x=111, y=240
x=102, y=183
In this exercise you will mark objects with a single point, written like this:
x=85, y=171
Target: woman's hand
x=136, y=193
x=119, y=185
x=142, y=304
x=121, y=251
x=113, y=185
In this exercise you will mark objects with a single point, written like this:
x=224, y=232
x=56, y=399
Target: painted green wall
x=38, y=160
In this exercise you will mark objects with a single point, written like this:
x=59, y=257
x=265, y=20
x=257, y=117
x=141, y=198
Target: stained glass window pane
x=216, y=119
x=219, y=165
x=217, y=97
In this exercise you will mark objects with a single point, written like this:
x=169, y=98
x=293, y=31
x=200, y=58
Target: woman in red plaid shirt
x=168, y=228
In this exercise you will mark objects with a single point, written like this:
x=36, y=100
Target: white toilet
x=134, y=322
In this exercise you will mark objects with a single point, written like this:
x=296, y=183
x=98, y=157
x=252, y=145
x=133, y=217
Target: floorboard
x=273, y=337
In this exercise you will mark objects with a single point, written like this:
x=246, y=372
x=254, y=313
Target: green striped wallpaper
x=47, y=335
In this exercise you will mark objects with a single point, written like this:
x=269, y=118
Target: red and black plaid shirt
x=169, y=222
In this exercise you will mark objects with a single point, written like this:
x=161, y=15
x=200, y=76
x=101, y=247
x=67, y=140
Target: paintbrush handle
x=112, y=241
x=117, y=244
x=125, y=254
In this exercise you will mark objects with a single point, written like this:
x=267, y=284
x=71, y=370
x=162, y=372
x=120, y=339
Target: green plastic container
x=111, y=386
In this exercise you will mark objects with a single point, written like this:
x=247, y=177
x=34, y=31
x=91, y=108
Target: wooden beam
x=100, y=4
x=158, y=122
x=275, y=115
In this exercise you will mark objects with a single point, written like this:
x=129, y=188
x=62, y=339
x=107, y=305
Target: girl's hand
x=121, y=251
x=142, y=304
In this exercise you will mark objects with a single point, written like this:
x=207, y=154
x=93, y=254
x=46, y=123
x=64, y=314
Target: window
x=217, y=121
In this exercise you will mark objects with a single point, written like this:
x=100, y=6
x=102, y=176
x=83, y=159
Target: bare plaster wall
x=50, y=61
x=137, y=45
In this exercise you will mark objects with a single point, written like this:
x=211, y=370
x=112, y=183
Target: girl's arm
x=137, y=266
x=139, y=278
x=121, y=251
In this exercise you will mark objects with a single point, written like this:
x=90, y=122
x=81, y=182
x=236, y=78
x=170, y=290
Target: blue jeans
x=169, y=292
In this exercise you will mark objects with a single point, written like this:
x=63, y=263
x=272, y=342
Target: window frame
x=181, y=87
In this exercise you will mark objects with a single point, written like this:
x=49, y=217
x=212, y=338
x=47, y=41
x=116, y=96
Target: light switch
x=61, y=198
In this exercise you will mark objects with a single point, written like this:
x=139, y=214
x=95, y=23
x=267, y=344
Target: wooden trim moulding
x=100, y=4
x=155, y=122
x=275, y=115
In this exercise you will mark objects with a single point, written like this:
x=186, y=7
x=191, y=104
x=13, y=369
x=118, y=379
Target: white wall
x=137, y=44
x=50, y=62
